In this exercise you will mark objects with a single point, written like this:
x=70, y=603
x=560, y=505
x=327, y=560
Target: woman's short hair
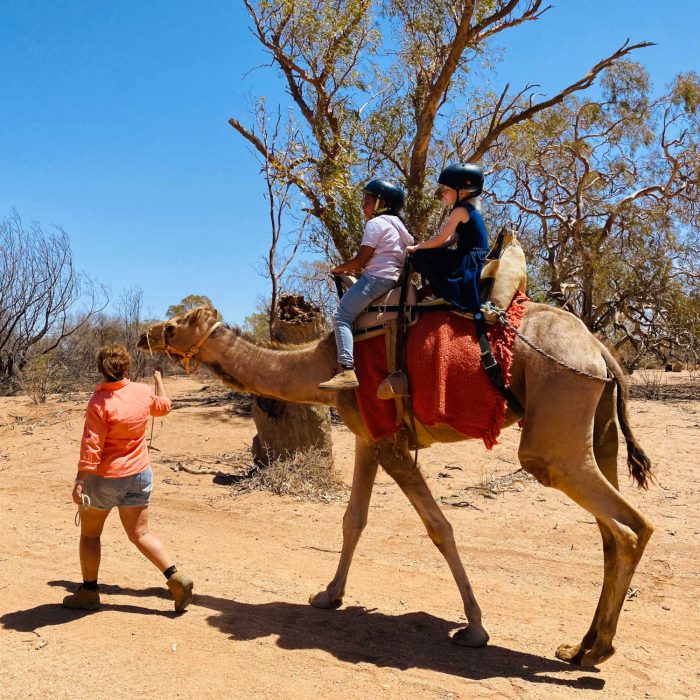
x=114, y=362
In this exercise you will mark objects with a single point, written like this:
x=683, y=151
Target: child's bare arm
x=446, y=234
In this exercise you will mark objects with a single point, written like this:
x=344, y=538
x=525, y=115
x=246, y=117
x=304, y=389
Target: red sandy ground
x=534, y=559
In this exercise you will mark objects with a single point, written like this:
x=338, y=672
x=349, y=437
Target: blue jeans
x=353, y=303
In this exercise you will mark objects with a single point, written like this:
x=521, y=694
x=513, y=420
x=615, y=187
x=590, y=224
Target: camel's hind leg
x=354, y=522
x=396, y=459
x=586, y=470
x=605, y=449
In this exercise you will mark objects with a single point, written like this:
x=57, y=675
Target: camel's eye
x=168, y=330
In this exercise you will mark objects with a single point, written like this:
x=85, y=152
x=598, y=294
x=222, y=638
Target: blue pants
x=353, y=303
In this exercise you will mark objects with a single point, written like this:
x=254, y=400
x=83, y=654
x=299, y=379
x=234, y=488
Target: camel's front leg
x=396, y=459
x=354, y=522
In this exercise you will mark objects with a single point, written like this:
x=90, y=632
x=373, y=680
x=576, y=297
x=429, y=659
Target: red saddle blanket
x=448, y=384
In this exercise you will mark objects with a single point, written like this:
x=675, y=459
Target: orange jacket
x=114, y=438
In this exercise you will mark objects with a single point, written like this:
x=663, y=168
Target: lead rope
x=503, y=318
x=85, y=504
x=150, y=351
x=153, y=419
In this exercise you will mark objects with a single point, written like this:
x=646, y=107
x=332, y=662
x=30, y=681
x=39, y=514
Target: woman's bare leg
x=92, y=521
x=135, y=522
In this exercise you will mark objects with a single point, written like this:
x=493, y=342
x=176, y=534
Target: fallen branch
x=204, y=470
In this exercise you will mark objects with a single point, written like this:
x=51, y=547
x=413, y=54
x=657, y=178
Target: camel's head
x=181, y=337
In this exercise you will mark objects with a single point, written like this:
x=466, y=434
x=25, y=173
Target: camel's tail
x=638, y=463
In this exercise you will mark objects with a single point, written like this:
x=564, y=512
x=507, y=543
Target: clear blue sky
x=113, y=125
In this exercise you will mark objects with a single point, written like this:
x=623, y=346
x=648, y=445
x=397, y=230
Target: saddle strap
x=401, y=348
x=390, y=341
x=493, y=369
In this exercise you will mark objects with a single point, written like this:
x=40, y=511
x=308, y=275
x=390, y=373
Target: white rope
x=85, y=504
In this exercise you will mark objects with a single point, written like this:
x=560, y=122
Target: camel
x=569, y=441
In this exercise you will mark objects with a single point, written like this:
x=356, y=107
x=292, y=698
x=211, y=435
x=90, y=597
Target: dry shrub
x=44, y=375
x=648, y=385
x=306, y=476
x=660, y=386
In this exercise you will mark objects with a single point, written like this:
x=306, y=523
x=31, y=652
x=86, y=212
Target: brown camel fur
x=569, y=441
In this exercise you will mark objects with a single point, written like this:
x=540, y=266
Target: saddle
x=451, y=396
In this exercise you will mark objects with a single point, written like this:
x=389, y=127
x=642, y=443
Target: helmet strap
x=467, y=196
x=377, y=210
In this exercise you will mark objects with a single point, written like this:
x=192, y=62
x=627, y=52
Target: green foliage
x=257, y=325
x=607, y=191
x=606, y=188
x=189, y=302
x=384, y=88
x=685, y=92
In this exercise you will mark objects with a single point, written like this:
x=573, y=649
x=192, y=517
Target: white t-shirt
x=389, y=238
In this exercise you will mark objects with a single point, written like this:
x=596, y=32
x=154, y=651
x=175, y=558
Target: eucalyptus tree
x=385, y=87
x=608, y=190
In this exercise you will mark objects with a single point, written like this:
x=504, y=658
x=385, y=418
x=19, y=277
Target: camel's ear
x=206, y=313
x=213, y=314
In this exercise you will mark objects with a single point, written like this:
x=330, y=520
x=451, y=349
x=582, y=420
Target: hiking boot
x=181, y=589
x=82, y=599
x=432, y=300
x=345, y=379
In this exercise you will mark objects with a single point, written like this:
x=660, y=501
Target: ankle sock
x=169, y=571
x=90, y=585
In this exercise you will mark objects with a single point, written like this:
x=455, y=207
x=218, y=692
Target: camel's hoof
x=324, y=601
x=576, y=655
x=570, y=653
x=473, y=636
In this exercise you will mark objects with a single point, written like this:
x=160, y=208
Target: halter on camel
x=183, y=358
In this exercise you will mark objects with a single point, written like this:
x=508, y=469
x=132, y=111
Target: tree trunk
x=285, y=428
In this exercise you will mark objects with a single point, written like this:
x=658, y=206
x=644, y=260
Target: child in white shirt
x=380, y=259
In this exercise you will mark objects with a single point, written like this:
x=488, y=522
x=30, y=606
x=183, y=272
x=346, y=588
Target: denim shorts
x=134, y=490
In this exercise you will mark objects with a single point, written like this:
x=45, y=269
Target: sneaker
x=345, y=379
x=181, y=589
x=82, y=599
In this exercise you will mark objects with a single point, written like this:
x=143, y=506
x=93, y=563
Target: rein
x=183, y=358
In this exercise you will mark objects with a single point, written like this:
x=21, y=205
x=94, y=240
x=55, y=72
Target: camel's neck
x=291, y=375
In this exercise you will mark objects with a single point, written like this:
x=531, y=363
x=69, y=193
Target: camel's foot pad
x=576, y=654
x=325, y=601
x=473, y=636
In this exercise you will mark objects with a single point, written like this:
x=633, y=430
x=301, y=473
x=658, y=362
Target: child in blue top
x=452, y=273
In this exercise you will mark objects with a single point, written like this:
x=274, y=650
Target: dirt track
x=533, y=557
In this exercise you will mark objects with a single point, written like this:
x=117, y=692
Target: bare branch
x=503, y=124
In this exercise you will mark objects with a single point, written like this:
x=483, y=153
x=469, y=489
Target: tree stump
x=285, y=428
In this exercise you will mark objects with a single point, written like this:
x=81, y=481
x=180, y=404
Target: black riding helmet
x=467, y=177
x=391, y=195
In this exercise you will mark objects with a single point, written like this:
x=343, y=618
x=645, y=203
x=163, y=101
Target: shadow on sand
x=352, y=635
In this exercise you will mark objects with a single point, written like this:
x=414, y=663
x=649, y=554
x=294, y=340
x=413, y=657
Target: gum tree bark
x=285, y=428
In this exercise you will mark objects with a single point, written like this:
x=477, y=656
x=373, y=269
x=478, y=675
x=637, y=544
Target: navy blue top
x=471, y=234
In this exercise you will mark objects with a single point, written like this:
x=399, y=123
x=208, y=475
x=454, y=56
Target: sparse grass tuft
x=307, y=476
